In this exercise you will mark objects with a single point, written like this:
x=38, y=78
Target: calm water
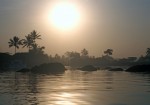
x=75, y=88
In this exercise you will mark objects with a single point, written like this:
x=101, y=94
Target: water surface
x=75, y=88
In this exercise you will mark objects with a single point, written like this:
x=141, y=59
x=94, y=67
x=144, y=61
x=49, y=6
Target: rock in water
x=139, y=68
x=116, y=69
x=24, y=70
x=50, y=68
x=88, y=68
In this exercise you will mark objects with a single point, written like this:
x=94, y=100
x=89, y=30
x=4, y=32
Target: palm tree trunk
x=28, y=49
x=15, y=50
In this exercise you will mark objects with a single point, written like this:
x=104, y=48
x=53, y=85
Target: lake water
x=75, y=88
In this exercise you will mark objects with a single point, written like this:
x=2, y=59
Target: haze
x=122, y=25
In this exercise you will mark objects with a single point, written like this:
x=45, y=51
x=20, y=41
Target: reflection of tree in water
x=24, y=89
x=108, y=81
x=32, y=82
x=32, y=86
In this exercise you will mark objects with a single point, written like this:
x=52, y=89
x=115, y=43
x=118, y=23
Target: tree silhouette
x=108, y=52
x=72, y=54
x=37, y=49
x=28, y=42
x=15, y=42
x=84, y=52
x=34, y=35
x=148, y=52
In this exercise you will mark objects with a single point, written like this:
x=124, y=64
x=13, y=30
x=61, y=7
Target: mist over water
x=75, y=88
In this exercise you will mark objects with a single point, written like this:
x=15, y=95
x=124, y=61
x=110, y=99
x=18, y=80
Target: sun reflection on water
x=75, y=88
x=65, y=99
x=65, y=91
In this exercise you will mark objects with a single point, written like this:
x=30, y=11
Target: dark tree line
x=36, y=55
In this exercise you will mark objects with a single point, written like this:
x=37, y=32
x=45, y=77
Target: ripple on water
x=75, y=88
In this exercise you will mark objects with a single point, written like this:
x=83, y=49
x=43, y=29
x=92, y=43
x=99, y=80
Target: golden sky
x=123, y=25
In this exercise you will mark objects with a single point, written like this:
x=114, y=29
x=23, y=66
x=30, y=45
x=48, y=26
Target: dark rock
x=105, y=68
x=98, y=68
x=24, y=70
x=116, y=69
x=139, y=68
x=88, y=68
x=50, y=68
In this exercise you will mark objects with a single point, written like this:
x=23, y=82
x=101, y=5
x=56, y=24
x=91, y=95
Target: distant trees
x=145, y=59
x=72, y=57
x=84, y=52
x=72, y=54
x=37, y=49
x=15, y=42
x=108, y=52
x=37, y=56
x=148, y=52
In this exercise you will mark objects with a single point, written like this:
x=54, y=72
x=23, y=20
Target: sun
x=64, y=15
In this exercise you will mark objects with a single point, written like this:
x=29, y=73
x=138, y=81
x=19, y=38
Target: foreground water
x=75, y=88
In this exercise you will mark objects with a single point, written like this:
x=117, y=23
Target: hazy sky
x=123, y=25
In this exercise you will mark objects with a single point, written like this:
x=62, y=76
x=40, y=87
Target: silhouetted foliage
x=145, y=59
x=28, y=42
x=72, y=54
x=57, y=58
x=37, y=49
x=148, y=52
x=84, y=52
x=108, y=52
x=34, y=35
x=15, y=42
x=36, y=55
x=73, y=58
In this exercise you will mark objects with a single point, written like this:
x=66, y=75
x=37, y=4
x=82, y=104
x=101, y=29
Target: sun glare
x=64, y=15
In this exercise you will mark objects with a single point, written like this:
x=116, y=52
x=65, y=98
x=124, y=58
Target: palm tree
x=148, y=52
x=34, y=35
x=37, y=49
x=108, y=52
x=15, y=42
x=28, y=42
